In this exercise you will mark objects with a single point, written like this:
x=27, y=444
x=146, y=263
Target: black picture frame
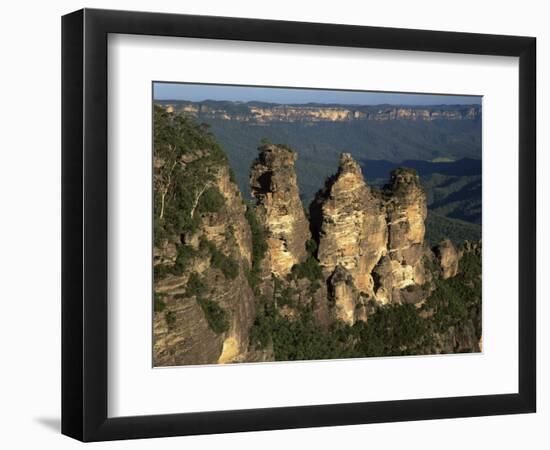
x=84, y=224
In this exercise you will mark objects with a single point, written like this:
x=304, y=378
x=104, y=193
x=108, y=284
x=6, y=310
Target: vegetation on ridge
x=186, y=161
x=393, y=330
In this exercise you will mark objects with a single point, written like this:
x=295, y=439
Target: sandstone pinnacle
x=279, y=208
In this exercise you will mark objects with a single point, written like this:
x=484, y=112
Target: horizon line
x=315, y=103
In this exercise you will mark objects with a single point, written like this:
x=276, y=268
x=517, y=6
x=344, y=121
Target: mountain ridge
x=265, y=112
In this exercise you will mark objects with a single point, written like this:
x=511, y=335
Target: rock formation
x=351, y=225
x=279, y=209
x=406, y=212
x=185, y=330
x=470, y=247
x=447, y=257
x=343, y=295
x=378, y=237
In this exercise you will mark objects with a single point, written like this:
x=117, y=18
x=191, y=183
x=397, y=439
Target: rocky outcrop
x=390, y=276
x=377, y=237
x=406, y=211
x=470, y=247
x=206, y=312
x=351, y=225
x=447, y=257
x=456, y=339
x=343, y=295
x=250, y=112
x=278, y=207
x=237, y=225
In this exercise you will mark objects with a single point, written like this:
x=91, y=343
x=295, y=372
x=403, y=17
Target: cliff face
x=343, y=295
x=406, y=212
x=352, y=230
x=266, y=113
x=279, y=209
x=448, y=257
x=208, y=309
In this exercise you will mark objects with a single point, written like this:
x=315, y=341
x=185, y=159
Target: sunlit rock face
x=351, y=225
x=406, y=211
x=279, y=209
x=377, y=236
x=343, y=295
x=447, y=256
x=187, y=337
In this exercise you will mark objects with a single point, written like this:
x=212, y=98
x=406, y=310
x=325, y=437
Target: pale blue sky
x=201, y=92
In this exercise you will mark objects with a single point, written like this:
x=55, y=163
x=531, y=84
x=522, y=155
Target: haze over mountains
x=442, y=142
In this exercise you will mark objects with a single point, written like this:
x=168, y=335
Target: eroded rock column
x=406, y=212
x=279, y=208
x=447, y=257
x=351, y=223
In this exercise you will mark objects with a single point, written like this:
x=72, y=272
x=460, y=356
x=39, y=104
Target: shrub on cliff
x=160, y=271
x=259, y=244
x=259, y=248
x=228, y=266
x=159, y=304
x=170, y=318
x=309, y=269
x=311, y=244
x=285, y=297
x=216, y=316
x=183, y=258
x=185, y=254
x=195, y=286
x=457, y=301
x=260, y=332
x=211, y=201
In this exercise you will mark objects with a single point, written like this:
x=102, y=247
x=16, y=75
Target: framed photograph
x=273, y=225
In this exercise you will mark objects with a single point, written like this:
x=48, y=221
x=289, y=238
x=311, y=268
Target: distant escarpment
x=266, y=280
x=271, y=112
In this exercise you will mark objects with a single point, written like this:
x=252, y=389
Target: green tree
x=186, y=161
x=215, y=315
x=259, y=248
